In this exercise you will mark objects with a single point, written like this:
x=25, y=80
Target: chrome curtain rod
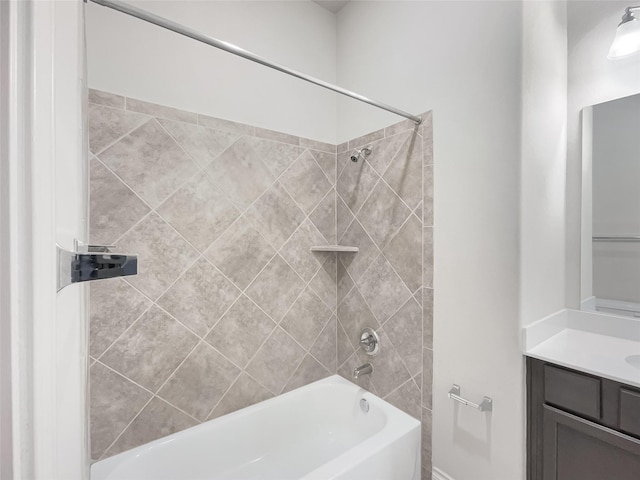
x=229, y=47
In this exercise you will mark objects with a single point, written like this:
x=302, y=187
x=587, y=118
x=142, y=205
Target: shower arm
x=235, y=50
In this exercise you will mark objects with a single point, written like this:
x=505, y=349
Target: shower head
x=363, y=153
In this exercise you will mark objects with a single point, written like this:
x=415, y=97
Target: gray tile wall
x=230, y=307
x=385, y=207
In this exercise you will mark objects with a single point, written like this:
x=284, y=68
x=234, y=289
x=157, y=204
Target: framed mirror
x=611, y=207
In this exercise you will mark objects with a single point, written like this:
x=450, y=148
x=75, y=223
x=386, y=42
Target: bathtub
x=317, y=432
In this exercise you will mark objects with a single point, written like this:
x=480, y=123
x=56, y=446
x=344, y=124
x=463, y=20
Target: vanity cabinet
x=579, y=426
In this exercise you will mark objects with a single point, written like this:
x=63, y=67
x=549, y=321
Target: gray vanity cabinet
x=579, y=426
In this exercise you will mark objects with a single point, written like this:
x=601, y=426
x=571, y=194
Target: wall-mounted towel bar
x=485, y=406
x=617, y=238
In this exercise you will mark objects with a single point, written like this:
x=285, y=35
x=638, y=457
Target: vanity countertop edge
x=591, y=342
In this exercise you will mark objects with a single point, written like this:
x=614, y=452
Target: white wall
x=543, y=159
x=592, y=79
x=463, y=60
x=166, y=68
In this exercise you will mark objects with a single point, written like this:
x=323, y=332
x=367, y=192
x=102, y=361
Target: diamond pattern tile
x=162, y=255
x=344, y=218
x=158, y=419
x=407, y=399
x=203, y=144
x=150, y=162
x=241, y=331
x=354, y=315
x=404, y=174
x=276, y=361
x=390, y=371
x=276, y=288
x=345, y=283
x=327, y=162
x=200, y=382
x=240, y=173
x=345, y=347
x=114, y=207
x=106, y=125
x=384, y=150
x=383, y=289
x=306, y=182
x=275, y=155
x=151, y=349
x=306, y=318
x=200, y=297
x=325, y=348
x=355, y=183
x=243, y=393
x=383, y=214
x=113, y=306
x=240, y=253
x=308, y=371
x=324, y=282
x=358, y=263
x=324, y=217
x=199, y=211
x=404, y=252
x=114, y=402
x=275, y=215
x=404, y=329
x=297, y=250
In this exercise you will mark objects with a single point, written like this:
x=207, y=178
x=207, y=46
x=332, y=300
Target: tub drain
x=364, y=405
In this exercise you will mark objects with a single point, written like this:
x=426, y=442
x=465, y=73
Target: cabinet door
x=577, y=449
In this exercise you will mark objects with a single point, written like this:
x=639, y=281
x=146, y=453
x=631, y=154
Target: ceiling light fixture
x=627, y=39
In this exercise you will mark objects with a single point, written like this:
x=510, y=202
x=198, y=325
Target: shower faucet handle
x=370, y=342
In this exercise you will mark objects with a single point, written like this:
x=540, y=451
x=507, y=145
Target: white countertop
x=596, y=343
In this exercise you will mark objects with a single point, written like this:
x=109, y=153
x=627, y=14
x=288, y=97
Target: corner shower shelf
x=335, y=248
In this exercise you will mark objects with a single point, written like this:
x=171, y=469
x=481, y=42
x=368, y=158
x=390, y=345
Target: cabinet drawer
x=630, y=411
x=572, y=391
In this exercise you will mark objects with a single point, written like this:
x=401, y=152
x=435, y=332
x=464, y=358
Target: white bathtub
x=316, y=432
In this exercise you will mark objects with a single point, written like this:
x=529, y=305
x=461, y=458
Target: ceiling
x=332, y=5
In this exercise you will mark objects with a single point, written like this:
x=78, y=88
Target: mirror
x=611, y=207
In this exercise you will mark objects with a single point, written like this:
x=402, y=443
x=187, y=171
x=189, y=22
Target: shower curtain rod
x=229, y=47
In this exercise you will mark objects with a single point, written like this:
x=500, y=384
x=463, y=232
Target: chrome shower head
x=363, y=152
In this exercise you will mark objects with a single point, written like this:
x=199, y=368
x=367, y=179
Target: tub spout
x=366, y=369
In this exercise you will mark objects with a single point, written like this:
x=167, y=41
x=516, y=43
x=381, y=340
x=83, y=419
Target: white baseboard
x=438, y=474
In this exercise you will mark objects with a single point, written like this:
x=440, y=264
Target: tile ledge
x=335, y=248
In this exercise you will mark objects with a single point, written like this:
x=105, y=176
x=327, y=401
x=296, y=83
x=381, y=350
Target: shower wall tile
x=200, y=382
x=384, y=205
x=240, y=173
x=163, y=255
x=114, y=402
x=107, y=99
x=151, y=349
x=106, y=125
x=240, y=253
x=241, y=331
x=160, y=111
x=276, y=361
x=316, y=145
x=306, y=182
x=150, y=162
x=203, y=144
x=231, y=307
x=244, y=392
x=310, y=370
x=113, y=307
x=275, y=155
x=199, y=211
x=158, y=419
x=366, y=139
x=277, y=136
x=114, y=207
x=225, y=125
x=324, y=217
x=199, y=297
